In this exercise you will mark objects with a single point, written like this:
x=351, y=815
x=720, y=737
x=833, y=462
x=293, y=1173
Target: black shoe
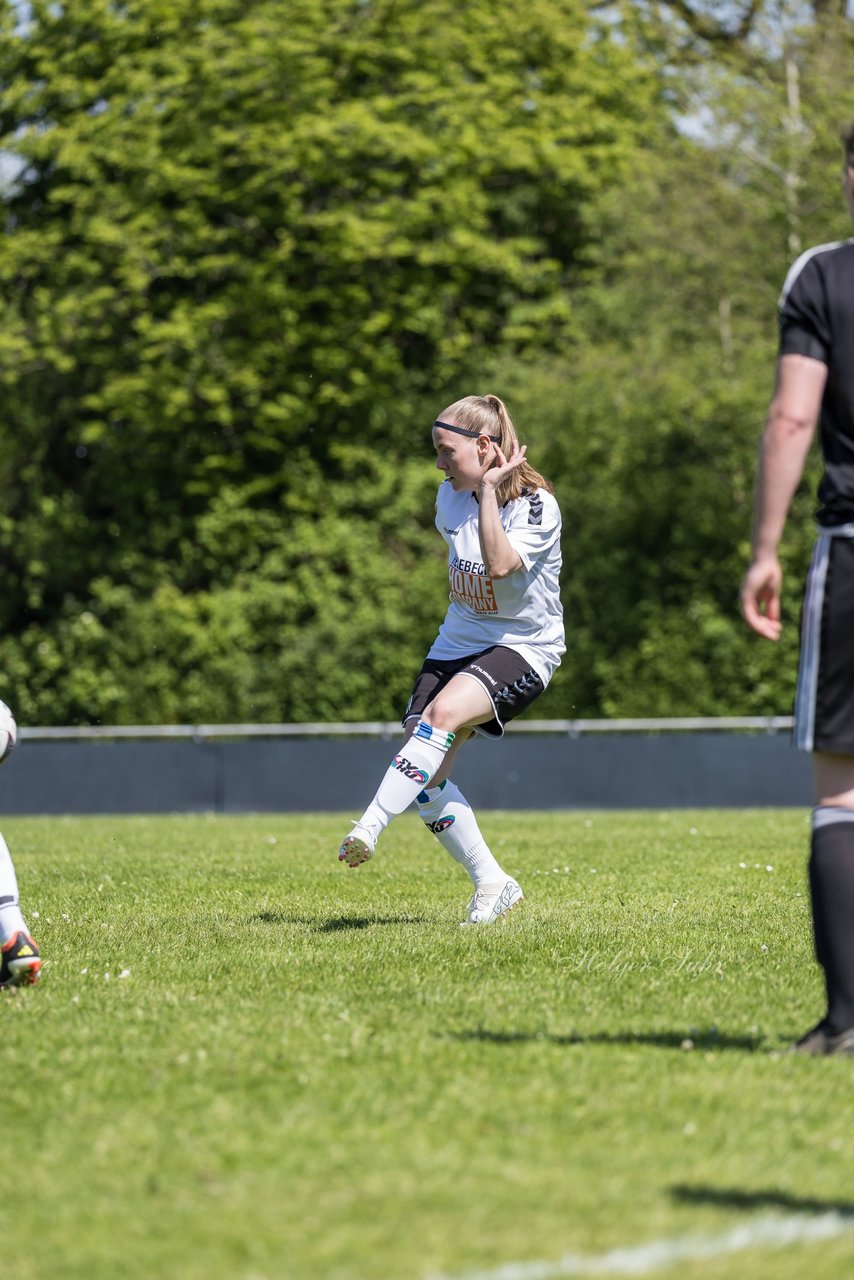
x=20, y=961
x=820, y=1042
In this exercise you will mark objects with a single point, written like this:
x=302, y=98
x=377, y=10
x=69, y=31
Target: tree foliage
x=669, y=391
x=251, y=250
x=245, y=259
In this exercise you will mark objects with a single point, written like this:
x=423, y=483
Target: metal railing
x=391, y=729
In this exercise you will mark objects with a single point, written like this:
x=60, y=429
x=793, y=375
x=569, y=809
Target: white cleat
x=357, y=847
x=491, y=902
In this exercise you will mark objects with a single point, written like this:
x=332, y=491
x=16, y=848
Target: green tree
x=654, y=448
x=244, y=256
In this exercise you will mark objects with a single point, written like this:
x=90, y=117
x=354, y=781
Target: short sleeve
x=535, y=526
x=804, y=327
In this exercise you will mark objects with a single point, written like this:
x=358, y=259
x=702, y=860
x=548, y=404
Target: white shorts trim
x=805, y=694
x=481, y=729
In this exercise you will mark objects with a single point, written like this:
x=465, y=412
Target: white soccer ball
x=8, y=732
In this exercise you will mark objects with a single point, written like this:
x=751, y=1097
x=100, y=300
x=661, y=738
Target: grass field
x=245, y=1061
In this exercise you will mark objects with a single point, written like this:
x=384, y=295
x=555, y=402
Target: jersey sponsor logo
x=441, y=824
x=535, y=510
x=472, y=589
x=410, y=770
x=450, y=532
x=468, y=566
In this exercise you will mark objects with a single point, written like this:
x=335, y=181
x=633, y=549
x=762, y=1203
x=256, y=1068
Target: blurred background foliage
x=252, y=249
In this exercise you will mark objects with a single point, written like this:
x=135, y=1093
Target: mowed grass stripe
x=296, y=1070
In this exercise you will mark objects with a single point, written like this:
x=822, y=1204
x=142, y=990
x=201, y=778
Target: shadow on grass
x=365, y=922
x=735, y=1198
x=682, y=1040
x=336, y=924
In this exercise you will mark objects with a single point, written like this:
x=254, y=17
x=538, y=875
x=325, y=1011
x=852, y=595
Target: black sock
x=831, y=872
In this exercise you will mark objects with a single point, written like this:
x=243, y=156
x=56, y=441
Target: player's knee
x=442, y=714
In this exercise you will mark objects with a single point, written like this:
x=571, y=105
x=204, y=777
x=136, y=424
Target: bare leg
x=834, y=780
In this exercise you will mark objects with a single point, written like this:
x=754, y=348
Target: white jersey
x=522, y=611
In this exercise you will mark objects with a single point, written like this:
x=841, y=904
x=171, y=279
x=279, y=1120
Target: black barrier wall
x=599, y=771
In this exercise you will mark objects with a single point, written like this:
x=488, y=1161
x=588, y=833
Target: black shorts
x=824, y=701
x=508, y=679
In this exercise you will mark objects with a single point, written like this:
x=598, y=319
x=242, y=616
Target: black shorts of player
x=824, y=701
x=508, y=679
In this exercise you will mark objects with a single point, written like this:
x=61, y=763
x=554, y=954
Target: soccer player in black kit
x=815, y=381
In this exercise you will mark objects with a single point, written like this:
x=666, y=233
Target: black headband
x=461, y=431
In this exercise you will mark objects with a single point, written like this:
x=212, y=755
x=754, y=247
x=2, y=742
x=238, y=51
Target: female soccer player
x=498, y=647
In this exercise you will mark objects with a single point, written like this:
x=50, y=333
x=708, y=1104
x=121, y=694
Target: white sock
x=409, y=772
x=11, y=919
x=451, y=818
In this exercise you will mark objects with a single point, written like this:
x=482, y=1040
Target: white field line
x=771, y=1232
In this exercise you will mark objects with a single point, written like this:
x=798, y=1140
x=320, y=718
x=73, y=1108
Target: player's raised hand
x=493, y=477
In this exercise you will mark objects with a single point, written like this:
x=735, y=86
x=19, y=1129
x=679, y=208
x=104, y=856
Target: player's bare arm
x=789, y=430
x=499, y=556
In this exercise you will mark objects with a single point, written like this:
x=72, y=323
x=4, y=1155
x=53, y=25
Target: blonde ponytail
x=488, y=416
